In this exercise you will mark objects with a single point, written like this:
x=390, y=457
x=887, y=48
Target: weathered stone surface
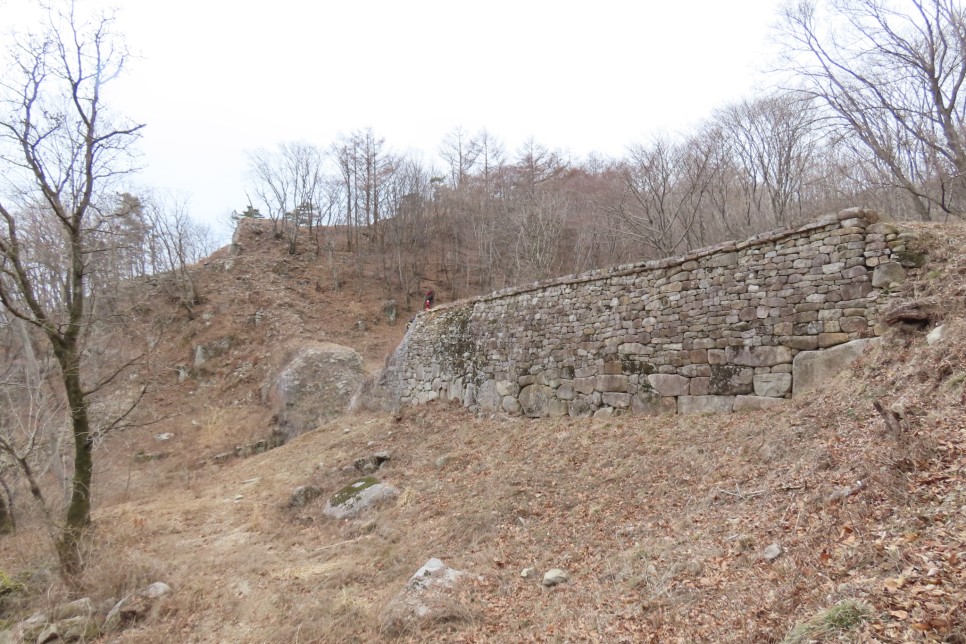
x=758, y=356
x=936, y=336
x=488, y=397
x=730, y=380
x=826, y=340
x=357, y=497
x=555, y=577
x=669, y=385
x=811, y=369
x=801, y=342
x=535, y=400
x=886, y=274
x=303, y=495
x=427, y=594
x=773, y=385
x=612, y=383
x=649, y=404
x=315, y=385
x=705, y=404
x=700, y=386
x=755, y=403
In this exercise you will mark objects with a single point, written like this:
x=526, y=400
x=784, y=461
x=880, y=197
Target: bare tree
x=61, y=150
x=665, y=185
x=177, y=243
x=287, y=183
x=772, y=141
x=894, y=79
x=460, y=151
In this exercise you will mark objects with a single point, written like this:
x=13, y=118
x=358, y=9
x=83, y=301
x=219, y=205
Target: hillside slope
x=661, y=524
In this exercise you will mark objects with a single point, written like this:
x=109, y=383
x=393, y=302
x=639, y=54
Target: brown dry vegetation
x=661, y=523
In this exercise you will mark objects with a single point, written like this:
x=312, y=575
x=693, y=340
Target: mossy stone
x=344, y=495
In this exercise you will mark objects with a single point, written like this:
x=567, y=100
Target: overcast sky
x=214, y=80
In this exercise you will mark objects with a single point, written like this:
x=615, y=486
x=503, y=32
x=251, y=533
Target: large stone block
x=773, y=385
x=705, y=404
x=648, y=404
x=669, y=384
x=758, y=356
x=730, y=380
x=885, y=274
x=612, y=383
x=535, y=400
x=811, y=369
x=585, y=385
x=613, y=399
x=755, y=403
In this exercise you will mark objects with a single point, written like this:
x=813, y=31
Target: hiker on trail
x=430, y=296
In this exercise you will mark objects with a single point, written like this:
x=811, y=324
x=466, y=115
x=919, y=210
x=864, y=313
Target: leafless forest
x=865, y=108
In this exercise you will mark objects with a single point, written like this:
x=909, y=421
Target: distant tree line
x=870, y=113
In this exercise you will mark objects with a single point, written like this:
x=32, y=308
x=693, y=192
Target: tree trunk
x=79, y=507
x=7, y=525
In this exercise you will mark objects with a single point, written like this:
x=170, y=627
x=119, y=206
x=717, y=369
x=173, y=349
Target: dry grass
x=661, y=523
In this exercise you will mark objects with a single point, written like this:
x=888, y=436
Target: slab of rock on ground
x=316, y=384
x=357, y=497
x=428, y=595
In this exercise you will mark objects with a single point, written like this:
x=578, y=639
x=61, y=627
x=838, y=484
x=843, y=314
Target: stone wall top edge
x=668, y=262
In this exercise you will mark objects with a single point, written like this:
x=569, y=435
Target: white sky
x=216, y=79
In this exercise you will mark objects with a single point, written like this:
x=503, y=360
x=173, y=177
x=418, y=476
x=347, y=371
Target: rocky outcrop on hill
x=313, y=386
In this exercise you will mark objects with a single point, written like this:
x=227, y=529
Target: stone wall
x=715, y=330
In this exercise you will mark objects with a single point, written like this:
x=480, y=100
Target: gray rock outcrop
x=357, y=497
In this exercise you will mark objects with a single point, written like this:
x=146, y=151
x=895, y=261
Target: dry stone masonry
x=715, y=330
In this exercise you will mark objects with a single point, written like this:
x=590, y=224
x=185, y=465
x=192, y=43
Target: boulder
x=303, y=495
x=555, y=577
x=886, y=274
x=428, y=595
x=371, y=463
x=535, y=400
x=357, y=497
x=813, y=368
x=315, y=385
x=936, y=336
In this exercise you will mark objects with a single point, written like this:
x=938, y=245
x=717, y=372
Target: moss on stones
x=352, y=490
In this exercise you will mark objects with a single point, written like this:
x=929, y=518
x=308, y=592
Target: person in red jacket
x=430, y=297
